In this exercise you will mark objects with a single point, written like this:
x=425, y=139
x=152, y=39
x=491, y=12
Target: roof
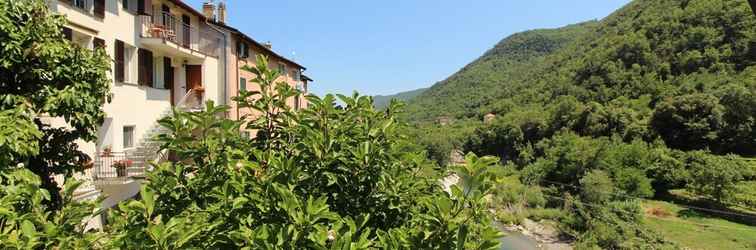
x=306, y=78
x=256, y=43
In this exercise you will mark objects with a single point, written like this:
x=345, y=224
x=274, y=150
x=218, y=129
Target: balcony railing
x=168, y=27
x=117, y=165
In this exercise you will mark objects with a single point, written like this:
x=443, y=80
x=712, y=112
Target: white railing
x=168, y=27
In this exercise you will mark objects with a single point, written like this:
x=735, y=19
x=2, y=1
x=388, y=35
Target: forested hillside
x=382, y=101
x=655, y=101
x=498, y=73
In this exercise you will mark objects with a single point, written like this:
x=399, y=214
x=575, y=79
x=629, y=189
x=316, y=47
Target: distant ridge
x=381, y=101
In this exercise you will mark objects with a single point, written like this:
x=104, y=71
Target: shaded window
x=282, y=69
x=128, y=136
x=145, y=69
x=242, y=84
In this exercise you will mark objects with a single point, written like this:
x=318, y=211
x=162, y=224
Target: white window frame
x=130, y=64
x=124, y=137
x=158, y=74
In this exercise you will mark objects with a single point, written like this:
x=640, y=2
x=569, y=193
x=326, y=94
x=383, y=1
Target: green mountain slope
x=655, y=101
x=381, y=101
x=651, y=52
x=506, y=65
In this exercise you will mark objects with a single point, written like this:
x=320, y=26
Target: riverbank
x=543, y=235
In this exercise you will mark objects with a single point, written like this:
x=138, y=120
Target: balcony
x=166, y=33
x=117, y=168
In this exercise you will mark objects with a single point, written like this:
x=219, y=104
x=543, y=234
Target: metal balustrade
x=117, y=165
x=166, y=26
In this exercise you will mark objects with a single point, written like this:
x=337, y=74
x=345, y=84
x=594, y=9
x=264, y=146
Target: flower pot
x=121, y=172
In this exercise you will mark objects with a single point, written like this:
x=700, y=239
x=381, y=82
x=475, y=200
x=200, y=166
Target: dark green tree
x=43, y=77
x=689, y=121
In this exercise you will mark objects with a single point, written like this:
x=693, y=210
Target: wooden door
x=193, y=77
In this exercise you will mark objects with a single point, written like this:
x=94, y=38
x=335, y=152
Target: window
x=98, y=43
x=242, y=84
x=124, y=66
x=295, y=75
x=282, y=69
x=130, y=5
x=99, y=8
x=242, y=50
x=81, y=4
x=246, y=134
x=158, y=79
x=128, y=136
x=145, y=68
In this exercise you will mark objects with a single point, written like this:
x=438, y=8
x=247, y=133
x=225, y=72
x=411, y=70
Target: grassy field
x=696, y=231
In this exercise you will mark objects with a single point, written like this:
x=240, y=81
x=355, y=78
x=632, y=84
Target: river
x=516, y=240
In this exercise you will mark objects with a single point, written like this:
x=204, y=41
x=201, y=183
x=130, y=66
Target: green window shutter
x=242, y=84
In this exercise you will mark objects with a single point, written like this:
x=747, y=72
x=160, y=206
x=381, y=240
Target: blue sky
x=388, y=46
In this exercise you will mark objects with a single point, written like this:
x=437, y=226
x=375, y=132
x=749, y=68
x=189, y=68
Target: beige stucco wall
x=132, y=104
x=235, y=72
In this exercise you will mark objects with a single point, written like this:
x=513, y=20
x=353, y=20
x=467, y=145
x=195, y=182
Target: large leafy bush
x=327, y=177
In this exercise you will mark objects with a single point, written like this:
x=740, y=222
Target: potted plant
x=107, y=151
x=121, y=166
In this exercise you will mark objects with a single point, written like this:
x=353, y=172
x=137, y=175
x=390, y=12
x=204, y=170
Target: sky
x=381, y=47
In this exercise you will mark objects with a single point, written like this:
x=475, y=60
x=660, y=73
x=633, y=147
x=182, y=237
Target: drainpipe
x=237, y=82
x=225, y=62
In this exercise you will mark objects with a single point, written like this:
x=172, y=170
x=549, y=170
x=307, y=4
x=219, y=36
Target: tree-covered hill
x=682, y=69
x=494, y=74
x=382, y=101
x=655, y=101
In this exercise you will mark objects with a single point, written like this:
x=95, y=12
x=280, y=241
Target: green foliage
x=615, y=103
x=615, y=225
x=326, y=177
x=596, y=187
x=43, y=75
x=715, y=176
x=689, y=121
x=25, y=222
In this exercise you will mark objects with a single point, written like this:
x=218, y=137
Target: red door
x=193, y=77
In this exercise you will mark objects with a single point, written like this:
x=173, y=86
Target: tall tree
x=43, y=76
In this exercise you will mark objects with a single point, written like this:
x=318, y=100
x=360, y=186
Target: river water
x=516, y=240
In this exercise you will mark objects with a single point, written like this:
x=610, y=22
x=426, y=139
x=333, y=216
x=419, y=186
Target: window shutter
x=145, y=67
x=242, y=84
x=98, y=43
x=120, y=64
x=68, y=33
x=168, y=72
x=99, y=8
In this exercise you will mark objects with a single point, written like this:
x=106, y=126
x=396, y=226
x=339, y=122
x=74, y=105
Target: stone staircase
x=147, y=150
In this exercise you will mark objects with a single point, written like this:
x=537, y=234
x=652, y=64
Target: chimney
x=208, y=9
x=222, y=11
x=268, y=45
